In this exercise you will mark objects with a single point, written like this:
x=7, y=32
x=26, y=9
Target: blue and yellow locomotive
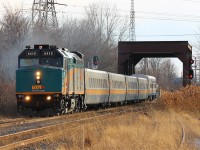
x=55, y=80
x=49, y=78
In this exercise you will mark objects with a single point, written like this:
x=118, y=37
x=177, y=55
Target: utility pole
x=132, y=36
x=44, y=13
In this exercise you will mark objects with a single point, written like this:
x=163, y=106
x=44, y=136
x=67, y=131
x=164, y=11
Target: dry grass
x=133, y=131
x=138, y=131
x=187, y=99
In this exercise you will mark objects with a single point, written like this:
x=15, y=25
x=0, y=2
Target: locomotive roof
x=49, y=51
x=68, y=54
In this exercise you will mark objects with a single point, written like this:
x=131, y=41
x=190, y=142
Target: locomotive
x=55, y=80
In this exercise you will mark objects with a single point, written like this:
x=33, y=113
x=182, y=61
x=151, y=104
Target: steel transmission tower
x=132, y=36
x=44, y=13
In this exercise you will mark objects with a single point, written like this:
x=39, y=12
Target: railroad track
x=152, y=117
x=26, y=120
x=30, y=136
x=10, y=121
x=27, y=123
x=183, y=133
x=144, y=111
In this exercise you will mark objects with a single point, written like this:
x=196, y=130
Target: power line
x=163, y=35
x=144, y=12
x=175, y=17
x=168, y=35
x=145, y=17
x=148, y=17
x=192, y=1
x=169, y=19
x=168, y=14
x=138, y=12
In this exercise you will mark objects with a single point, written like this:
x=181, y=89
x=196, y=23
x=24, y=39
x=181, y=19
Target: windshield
x=51, y=62
x=28, y=62
x=43, y=61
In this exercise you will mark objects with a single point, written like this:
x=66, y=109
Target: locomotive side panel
x=70, y=82
x=74, y=79
x=78, y=81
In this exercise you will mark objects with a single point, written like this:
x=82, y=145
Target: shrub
x=186, y=98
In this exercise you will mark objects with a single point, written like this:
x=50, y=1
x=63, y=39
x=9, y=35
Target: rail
x=25, y=137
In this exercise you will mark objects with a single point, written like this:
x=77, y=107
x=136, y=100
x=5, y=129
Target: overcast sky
x=156, y=20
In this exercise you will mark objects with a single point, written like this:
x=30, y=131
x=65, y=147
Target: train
x=54, y=80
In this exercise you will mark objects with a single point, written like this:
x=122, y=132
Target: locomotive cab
x=41, y=55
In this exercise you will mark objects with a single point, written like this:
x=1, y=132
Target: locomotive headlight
x=38, y=77
x=38, y=73
x=27, y=98
x=38, y=81
x=48, y=98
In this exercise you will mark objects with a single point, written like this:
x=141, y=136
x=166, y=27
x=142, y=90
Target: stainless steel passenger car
x=132, y=88
x=152, y=87
x=96, y=87
x=142, y=86
x=117, y=88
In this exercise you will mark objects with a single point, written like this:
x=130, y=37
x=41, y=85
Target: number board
x=48, y=53
x=31, y=53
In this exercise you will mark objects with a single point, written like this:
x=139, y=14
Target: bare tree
x=95, y=35
x=150, y=66
x=162, y=69
x=106, y=25
x=14, y=27
x=168, y=75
